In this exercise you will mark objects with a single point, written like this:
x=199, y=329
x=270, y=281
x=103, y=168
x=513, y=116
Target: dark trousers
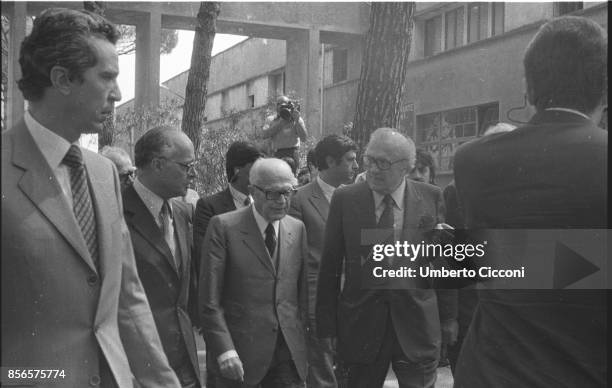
x=281, y=374
x=186, y=375
x=291, y=152
x=320, y=362
x=409, y=374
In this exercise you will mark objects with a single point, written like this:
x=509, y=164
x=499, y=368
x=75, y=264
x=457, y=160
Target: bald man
x=253, y=286
x=285, y=129
x=379, y=322
x=160, y=227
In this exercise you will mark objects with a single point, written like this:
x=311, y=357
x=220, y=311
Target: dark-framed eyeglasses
x=127, y=176
x=382, y=164
x=187, y=166
x=275, y=195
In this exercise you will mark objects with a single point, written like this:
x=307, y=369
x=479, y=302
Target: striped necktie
x=81, y=200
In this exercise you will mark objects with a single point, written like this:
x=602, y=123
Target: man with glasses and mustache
x=160, y=226
x=377, y=323
x=121, y=159
x=253, y=292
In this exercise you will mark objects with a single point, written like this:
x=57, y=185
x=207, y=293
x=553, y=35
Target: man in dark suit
x=253, y=288
x=337, y=158
x=160, y=227
x=549, y=174
x=71, y=296
x=377, y=325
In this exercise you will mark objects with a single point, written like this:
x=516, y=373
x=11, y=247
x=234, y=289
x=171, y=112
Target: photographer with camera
x=286, y=129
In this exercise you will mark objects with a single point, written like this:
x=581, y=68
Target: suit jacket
x=206, y=208
x=246, y=301
x=548, y=174
x=357, y=315
x=57, y=309
x=311, y=207
x=167, y=286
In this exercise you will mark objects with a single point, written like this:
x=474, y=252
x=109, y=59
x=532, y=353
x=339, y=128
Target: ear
x=156, y=164
x=331, y=162
x=60, y=79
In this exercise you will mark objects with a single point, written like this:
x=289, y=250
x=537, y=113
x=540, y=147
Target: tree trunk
x=107, y=134
x=197, y=81
x=383, y=69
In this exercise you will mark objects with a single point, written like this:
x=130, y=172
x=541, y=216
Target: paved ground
x=445, y=378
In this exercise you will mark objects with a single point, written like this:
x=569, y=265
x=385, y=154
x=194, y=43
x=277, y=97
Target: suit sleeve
x=137, y=329
x=212, y=275
x=328, y=283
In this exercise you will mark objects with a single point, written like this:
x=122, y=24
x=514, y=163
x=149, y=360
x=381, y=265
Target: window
x=224, y=102
x=454, y=28
x=497, y=18
x=339, y=63
x=251, y=101
x=565, y=7
x=477, y=21
x=442, y=132
x=433, y=34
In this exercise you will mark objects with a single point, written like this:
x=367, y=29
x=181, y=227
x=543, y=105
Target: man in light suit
x=402, y=323
x=71, y=296
x=337, y=160
x=253, y=289
x=551, y=173
x=160, y=226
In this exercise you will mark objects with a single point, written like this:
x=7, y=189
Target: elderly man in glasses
x=160, y=227
x=379, y=321
x=253, y=295
x=122, y=161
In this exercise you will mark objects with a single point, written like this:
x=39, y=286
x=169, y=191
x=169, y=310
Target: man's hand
x=295, y=115
x=450, y=331
x=232, y=369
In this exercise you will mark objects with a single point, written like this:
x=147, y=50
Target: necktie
x=270, y=239
x=81, y=200
x=168, y=229
x=386, y=219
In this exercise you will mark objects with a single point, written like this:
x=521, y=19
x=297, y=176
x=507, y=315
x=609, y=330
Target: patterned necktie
x=386, y=220
x=81, y=200
x=270, y=239
x=168, y=229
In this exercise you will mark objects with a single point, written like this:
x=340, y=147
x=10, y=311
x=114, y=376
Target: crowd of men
x=107, y=270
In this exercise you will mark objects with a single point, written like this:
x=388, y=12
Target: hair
x=265, y=169
x=392, y=136
x=332, y=145
x=152, y=144
x=566, y=65
x=425, y=159
x=499, y=128
x=239, y=154
x=115, y=154
x=60, y=37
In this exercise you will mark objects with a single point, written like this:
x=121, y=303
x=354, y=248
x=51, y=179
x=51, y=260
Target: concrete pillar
x=14, y=98
x=303, y=76
x=148, y=42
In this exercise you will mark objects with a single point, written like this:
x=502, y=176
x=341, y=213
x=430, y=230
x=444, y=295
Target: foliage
x=127, y=41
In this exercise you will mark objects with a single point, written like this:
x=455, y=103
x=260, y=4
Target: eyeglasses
x=275, y=195
x=382, y=164
x=129, y=175
x=187, y=166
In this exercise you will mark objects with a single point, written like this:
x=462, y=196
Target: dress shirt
x=54, y=148
x=327, y=189
x=238, y=197
x=398, y=207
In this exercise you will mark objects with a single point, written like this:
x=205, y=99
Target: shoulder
x=305, y=191
x=293, y=223
x=426, y=190
x=214, y=198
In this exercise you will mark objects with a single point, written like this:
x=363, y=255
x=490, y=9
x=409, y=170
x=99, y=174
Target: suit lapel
x=318, y=200
x=254, y=240
x=40, y=185
x=287, y=238
x=228, y=201
x=139, y=217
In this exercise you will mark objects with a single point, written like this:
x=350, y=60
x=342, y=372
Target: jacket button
x=92, y=280
x=94, y=381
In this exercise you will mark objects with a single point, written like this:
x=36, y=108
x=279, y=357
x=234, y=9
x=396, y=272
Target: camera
x=286, y=109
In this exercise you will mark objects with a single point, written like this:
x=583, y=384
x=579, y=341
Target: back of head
x=60, y=37
x=116, y=155
x=239, y=154
x=566, y=65
x=334, y=146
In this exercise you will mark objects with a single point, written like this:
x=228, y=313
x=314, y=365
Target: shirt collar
x=327, y=189
x=152, y=201
x=51, y=145
x=237, y=195
x=262, y=224
x=570, y=111
x=397, y=195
